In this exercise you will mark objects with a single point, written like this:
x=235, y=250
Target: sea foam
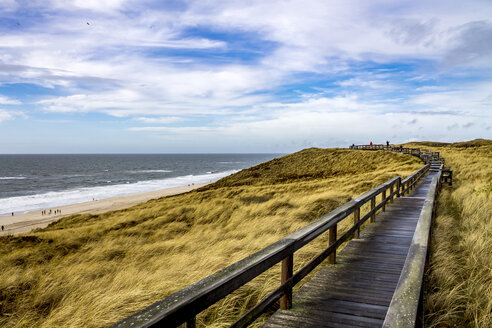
x=23, y=204
x=12, y=178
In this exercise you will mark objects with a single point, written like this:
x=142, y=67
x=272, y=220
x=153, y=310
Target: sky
x=138, y=76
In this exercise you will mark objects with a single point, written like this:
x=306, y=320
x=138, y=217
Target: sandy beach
x=23, y=223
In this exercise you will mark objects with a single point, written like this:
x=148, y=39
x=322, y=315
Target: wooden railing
x=409, y=182
x=413, y=151
x=183, y=306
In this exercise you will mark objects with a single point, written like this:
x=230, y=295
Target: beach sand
x=23, y=223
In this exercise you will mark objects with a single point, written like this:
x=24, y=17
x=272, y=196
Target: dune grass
x=93, y=270
x=459, y=288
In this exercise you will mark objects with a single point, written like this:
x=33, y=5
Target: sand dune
x=23, y=223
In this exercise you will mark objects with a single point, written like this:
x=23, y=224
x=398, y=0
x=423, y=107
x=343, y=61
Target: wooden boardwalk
x=357, y=291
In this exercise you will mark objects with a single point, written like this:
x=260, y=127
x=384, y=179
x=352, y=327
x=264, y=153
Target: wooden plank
x=349, y=307
x=323, y=319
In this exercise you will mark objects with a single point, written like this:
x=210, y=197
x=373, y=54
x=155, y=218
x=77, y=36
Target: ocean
x=34, y=182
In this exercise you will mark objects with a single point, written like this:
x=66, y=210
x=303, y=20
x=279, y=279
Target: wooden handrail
x=409, y=182
x=184, y=305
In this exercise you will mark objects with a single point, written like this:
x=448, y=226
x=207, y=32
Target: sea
x=34, y=182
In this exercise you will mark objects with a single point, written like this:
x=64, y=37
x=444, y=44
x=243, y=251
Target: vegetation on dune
x=93, y=270
x=459, y=288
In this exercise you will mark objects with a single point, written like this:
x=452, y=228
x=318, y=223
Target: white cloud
x=159, y=120
x=7, y=101
x=331, y=122
x=4, y=115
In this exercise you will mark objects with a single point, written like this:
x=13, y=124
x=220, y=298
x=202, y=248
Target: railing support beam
x=373, y=205
x=332, y=238
x=356, y=220
x=287, y=269
x=383, y=198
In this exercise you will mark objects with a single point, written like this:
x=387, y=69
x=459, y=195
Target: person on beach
x=12, y=213
x=2, y=228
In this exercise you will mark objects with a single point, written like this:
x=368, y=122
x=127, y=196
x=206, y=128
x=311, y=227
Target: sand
x=23, y=223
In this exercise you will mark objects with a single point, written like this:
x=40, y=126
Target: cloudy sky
x=93, y=76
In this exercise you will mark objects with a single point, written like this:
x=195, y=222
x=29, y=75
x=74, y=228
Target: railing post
x=356, y=220
x=189, y=323
x=373, y=205
x=383, y=197
x=332, y=237
x=287, y=268
x=391, y=194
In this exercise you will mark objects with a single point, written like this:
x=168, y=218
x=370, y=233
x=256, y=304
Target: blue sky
x=91, y=76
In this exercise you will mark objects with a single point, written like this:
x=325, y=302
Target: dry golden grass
x=93, y=270
x=459, y=292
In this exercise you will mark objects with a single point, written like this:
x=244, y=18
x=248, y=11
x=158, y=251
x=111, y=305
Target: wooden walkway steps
x=357, y=291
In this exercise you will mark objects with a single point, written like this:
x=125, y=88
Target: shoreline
x=24, y=223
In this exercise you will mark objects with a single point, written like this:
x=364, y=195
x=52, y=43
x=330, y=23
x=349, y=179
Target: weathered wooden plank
x=348, y=307
x=317, y=318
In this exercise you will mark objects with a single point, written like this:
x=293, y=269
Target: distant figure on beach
x=12, y=213
x=2, y=228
